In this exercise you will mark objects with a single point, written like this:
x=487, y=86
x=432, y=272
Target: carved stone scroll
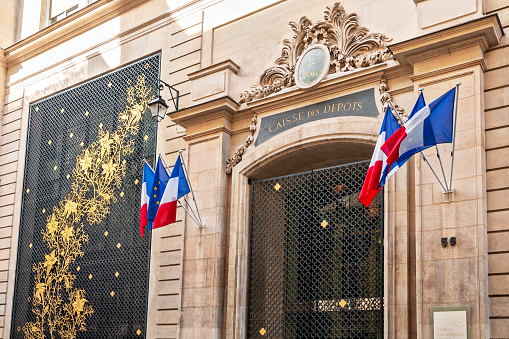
x=350, y=46
x=237, y=156
x=385, y=96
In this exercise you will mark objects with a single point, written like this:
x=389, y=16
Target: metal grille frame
x=114, y=267
x=316, y=257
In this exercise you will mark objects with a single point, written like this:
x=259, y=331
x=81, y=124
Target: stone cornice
x=3, y=63
x=217, y=108
x=488, y=27
x=225, y=65
x=330, y=85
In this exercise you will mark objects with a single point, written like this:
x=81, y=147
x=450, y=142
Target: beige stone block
x=172, y=230
x=503, y=15
x=5, y=243
x=170, y=244
x=167, y=258
x=6, y=221
x=456, y=280
x=497, y=200
x=498, y=263
x=8, y=158
x=9, y=137
x=493, y=5
x=202, y=247
x=195, y=275
x=181, y=75
x=498, y=285
x=14, y=126
x=496, y=78
x=5, y=232
x=10, y=147
x=3, y=276
x=168, y=272
x=166, y=331
x=4, y=264
x=8, y=178
x=496, y=98
x=185, y=23
x=184, y=88
x=7, y=189
x=13, y=117
x=167, y=317
x=499, y=328
x=184, y=61
x=497, y=179
x=168, y=287
x=497, y=58
x=7, y=199
x=167, y=302
x=498, y=242
x=497, y=138
x=498, y=307
x=8, y=168
x=497, y=221
x=198, y=297
x=3, y=287
x=497, y=118
x=433, y=12
x=497, y=158
x=6, y=210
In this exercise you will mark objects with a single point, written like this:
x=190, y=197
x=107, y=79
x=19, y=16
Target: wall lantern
x=158, y=105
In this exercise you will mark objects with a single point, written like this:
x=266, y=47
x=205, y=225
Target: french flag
x=389, y=171
x=148, y=179
x=371, y=185
x=176, y=188
x=431, y=125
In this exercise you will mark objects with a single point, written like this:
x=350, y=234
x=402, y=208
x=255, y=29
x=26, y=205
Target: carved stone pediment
x=350, y=47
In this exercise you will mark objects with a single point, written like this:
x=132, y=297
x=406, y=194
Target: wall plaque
x=312, y=66
x=450, y=322
x=356, y=104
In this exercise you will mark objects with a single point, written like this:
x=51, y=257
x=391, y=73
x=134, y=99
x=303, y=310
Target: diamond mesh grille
x=316, y=257
x=92, y=284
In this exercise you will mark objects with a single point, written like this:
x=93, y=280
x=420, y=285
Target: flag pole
x=185, y=209
x=423, y=156
x=439, y=157
x=454, y=131
x=191, y=187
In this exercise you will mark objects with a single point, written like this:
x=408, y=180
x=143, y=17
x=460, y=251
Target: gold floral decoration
x=61, y=309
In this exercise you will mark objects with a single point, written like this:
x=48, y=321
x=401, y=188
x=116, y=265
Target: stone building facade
x=236, y=64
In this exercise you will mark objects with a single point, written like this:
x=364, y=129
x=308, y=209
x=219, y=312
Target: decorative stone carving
x=385, y=96
x=350, y=46
x=237, y=156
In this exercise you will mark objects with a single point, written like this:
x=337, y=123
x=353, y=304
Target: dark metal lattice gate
x=82, y=268
x=316, y=267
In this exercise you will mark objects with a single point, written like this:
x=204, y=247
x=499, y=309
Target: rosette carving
x=351, y=47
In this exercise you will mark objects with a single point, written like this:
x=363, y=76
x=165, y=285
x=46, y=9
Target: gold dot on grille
x=28, y=190
x=90, y=277
x=117, y=274
x=106, y=233
x=109, y=85
x=324, y=223
x=19, y=328
x=62, y=110
x=55, y=168
x=82, y=143
x=49, y=142
x=342, y=303
x=147, y=65
x=118, y=245
x=37, y=109
x=112, y=293
x=43, y=210
x=262, y=331
x=30, y=245
x=138, y=332
x=277, y=187
x=101, y=125
x=87, y=113
x=121, y=194
x=123, y=162
x=68, y=176
x=128, y=81
x=71, y=135
x=136, y=182
x=145, y=137
x=78, y=268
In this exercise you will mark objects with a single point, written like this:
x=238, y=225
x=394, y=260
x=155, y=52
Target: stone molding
x=488, y=27
x=351, y=47
x=237, y=155
x=221, y=66
x=221, y=107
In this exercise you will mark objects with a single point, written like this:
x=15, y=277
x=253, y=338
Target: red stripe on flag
x=166, y=214
x=391, y=146
x=370, y=187
x=143, y=219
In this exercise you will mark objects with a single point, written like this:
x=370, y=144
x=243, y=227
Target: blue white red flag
x=176, y=188
x=388, y=172
x=371, y=185
x=160, y=180
x=431, y=125
x=148, y=179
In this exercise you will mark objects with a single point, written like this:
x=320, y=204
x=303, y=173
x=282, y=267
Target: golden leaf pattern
x=60, y=309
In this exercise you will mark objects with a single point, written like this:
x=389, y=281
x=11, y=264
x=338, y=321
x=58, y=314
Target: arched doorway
x=316, y=253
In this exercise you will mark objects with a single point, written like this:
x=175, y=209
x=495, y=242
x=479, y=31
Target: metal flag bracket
x=194, y=215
